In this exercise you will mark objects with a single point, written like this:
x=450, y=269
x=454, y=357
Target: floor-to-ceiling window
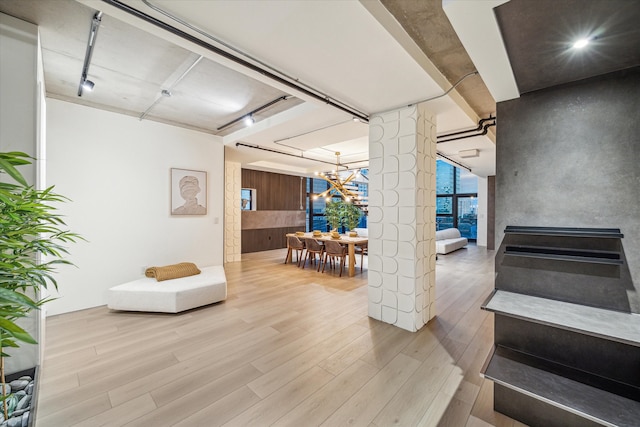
x=457, y=200
x=315, y=207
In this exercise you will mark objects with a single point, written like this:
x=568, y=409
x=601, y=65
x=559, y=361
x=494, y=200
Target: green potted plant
x=333, y=212
x=351, y=217
x=31, y=246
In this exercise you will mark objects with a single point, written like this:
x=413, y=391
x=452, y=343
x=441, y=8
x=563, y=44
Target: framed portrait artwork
x=188, y=192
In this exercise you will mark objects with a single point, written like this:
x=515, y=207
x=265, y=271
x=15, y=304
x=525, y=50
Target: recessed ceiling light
x=248, y=121
x=579, y=44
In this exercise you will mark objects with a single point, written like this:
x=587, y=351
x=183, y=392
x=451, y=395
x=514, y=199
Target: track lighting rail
x=223, y=53
x=251, y=113
x=93, y=34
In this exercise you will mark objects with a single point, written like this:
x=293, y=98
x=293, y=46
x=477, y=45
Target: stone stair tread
x=564, y=254
x=523, y=373
x=566, y=258
x=611, y=233
x=602, y=323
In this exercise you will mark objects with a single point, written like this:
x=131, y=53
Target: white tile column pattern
x=232, y=212
x=402, y=199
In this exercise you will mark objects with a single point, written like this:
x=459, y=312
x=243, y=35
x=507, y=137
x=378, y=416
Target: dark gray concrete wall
x=569, y=156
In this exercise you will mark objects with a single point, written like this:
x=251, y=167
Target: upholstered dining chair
x=334, y=251
x=294, y=244
x=313, y=248
x=362, y=249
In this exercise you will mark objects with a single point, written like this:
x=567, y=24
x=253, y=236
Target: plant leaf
x=17, y=297
x=12, y=171
x=16, y=331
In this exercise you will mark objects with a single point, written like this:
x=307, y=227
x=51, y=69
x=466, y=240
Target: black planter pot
x=35, y=374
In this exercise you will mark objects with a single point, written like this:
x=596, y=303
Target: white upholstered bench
x=449, y=240
x=170, y=296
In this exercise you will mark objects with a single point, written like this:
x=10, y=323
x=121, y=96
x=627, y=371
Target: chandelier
x=337, y=186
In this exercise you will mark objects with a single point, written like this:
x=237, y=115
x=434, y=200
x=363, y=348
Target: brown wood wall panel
x=265, y=239
x=275, y=191
x=491, y=213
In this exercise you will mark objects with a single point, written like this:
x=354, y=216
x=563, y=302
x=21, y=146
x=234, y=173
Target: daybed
x=449, y=240
x=170, y=296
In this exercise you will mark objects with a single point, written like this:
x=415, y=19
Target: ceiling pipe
x=477, y=129
x=473, y=73
x=195, y=40
x=228, y=46
x=93, y=34
x=166, y=93
x=485, y=129
x=439, y=154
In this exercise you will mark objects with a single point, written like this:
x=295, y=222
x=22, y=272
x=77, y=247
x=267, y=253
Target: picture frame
x=188, y=192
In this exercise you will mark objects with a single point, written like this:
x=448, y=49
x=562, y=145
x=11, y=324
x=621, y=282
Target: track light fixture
x=93, y=33
x=248, y=118
x=88, y=85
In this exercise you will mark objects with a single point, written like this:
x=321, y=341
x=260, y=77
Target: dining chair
x=362, y=249
x=313, y=248
x=294, y=244
x=334, y=251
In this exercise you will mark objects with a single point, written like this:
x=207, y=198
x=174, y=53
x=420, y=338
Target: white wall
x=116, y=170
x=19, y=123
x=18, y=49
x=483, y=198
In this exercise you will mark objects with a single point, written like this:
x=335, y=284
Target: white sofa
x=362, y=232
x=170, y=296
x=449, y=240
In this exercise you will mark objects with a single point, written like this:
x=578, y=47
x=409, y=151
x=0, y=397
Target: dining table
x=344, y=239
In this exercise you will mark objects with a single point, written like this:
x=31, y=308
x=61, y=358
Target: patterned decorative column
x=232, y=212
x=402, y=199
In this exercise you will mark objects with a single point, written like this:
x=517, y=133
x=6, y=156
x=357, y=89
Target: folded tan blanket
x=173, y=271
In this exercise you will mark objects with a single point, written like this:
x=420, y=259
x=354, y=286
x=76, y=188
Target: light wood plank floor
x=290, y=347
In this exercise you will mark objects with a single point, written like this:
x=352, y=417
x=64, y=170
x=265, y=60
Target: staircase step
x=564, y=254
x=607, y=324
x=539, y=379
x=608, y=233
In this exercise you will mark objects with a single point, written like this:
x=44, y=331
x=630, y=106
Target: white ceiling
x=477, y=28
x=341, y=49
x=350, y=51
